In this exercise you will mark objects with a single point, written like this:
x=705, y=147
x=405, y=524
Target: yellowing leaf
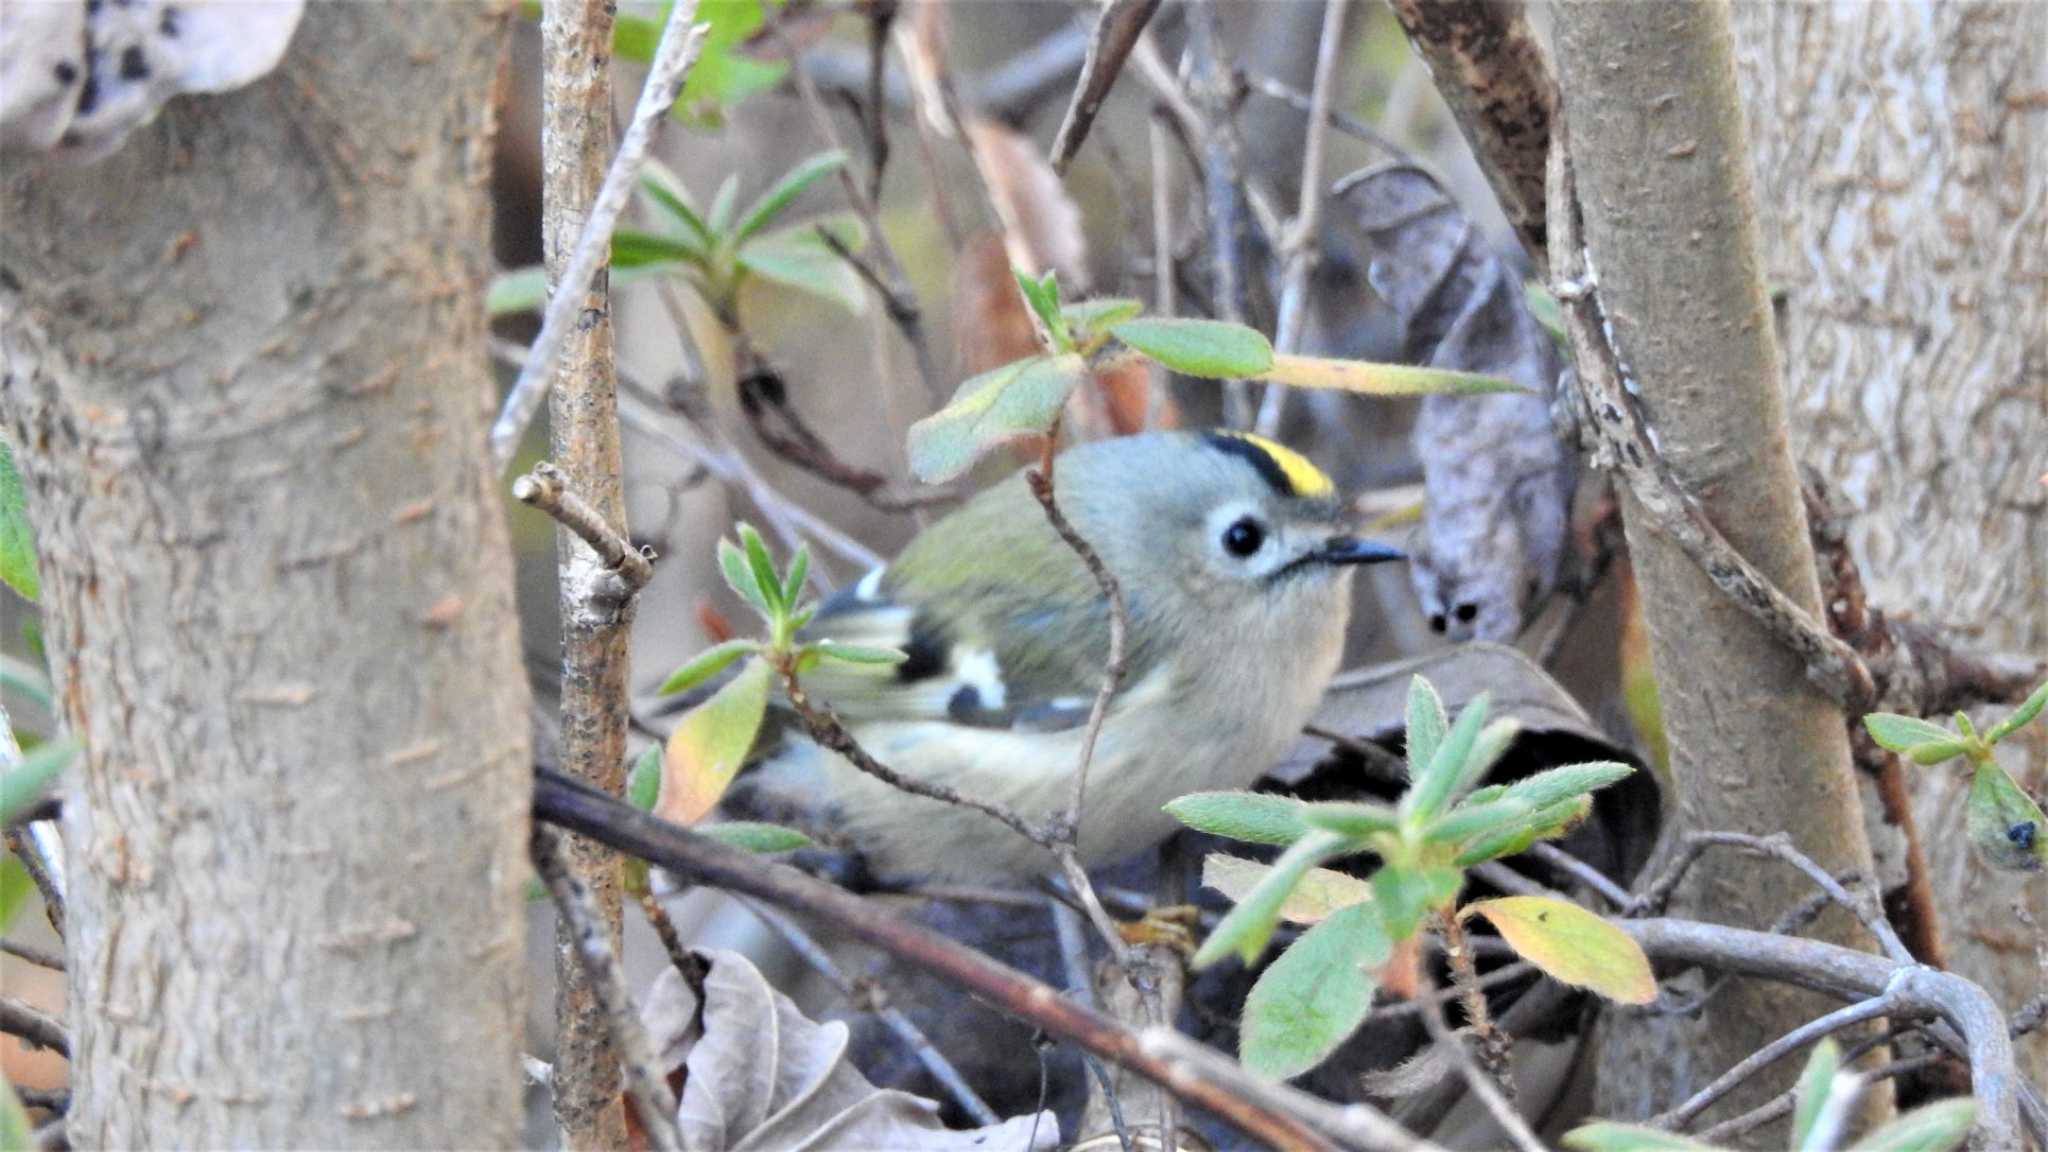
x=1320, y=892
x=1009, y=403
x=1571, y=945
x=706, y=750
x=1380, y=379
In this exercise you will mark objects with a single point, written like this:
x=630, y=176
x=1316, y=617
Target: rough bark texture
x=1902, y=165
x=576, y=148
x=246, y=378
x=1656, y=134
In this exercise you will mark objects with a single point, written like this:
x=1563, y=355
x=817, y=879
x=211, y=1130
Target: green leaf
x=636, y=37
x=1556, y=785
x=1315, y=995
x=17, y=539
x=643, y=779
x=795, y=257
x=1209, y=349
x=754, y=837
x=632, y=249
x=1815, y=1082
x=1905, y=733
x=723, y=205
x=1405, y=895
x=1571, y=945
x=1543, y=824
x=665, y=190
x=16, y=886
x=1320, y=892
x=704, y=665
x=1253, y=817
x=1938, y=1127
x=15, y=1129
x=526, y=289
x=799, y=571
x=708, y=747
x=1466, y=821
x=1043, y=295
x=1351, y=819
x=1379, y=379
x=1438, y=784
x=1013, y=402
x=1246, y=928
x=2004, y=822
x=1493, y=743
x=1607, y=1136
x=763, y=566
x=1427, y=725
x=739, y=576
x=1088, y=318
x=777, y=199
x=2020, y=718
x=24, y=784
x=859, y=653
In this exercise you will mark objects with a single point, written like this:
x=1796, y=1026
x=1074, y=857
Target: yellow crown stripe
x=1305, y=478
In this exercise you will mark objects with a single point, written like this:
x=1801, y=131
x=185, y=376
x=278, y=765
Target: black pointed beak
x=1352, y=550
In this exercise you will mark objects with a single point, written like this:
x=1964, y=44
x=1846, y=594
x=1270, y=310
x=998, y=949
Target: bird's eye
x=1244, y=537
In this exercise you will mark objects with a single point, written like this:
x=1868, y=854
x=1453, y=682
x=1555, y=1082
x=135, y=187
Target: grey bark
x=1656, y=135
x=1901, y=157
x=583, y=419
x=246, y=380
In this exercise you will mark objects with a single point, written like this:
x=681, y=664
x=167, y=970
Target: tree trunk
x=1656, y=136
x=583, y=418
x=246, y=376
x=1902, y=161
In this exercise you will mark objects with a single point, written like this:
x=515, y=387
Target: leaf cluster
x=2004, y=823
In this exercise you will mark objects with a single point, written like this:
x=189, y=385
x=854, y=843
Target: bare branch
x=1489, y=1094
x=27, y=848
x=547, y=489
x=1223, y=180
x=1116, y=32
x=1494, y=1045
x=680, y=41
x=1858, y=1013
x=652, y=1101
x=33, y=955
x=20, y=1018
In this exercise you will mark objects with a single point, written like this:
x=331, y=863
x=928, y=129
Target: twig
x=1584, y=873
x=1274, y=89
x=1489, y=1094
x=1223, y=181
x=1116, y=33
x=871, y=1000
x=1494, y=1044
x=652, y=1101
x=1858, y=1013
x=20, y=1018
x=1506, y=974
x=547, y=489
x=1490, y=70
x=1622, y=441
x=56, y=1100
x=1781, y=1105
x=881, y=14
x=33, y=955
x=562, y=800
x=1300, y=249
x=687, y=965
x=680, y=41
x=22, y=841
x=1866, y=907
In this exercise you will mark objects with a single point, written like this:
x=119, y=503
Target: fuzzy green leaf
x=1351, y=819
x=859, y=653
x=739, y=576
x=1246, y=928
x=17, y=539
x=1938, y=1127
x=1571, y=945
x=1903, y=733
x=763, y=566
x=795, y=257
x=2004, y=822
x=1607, y=1136
x=724, y=204
x=1469, y=820
x=1556, y=785
x=777, y=199
x=793, y=580
x=2021, y=716
x=1315, y=995
x=634, y=249
x=704, y=665
x=665, y=190
x=643, y=779
x=1090, y=317
x=1405, y=895
x=1816, y=1080
x=1438, y=784
x=1013, y=402
x=755, y=837
x=1427, y=725
x=1043, y=295
x=1209, y=349
x=1253, y=817
x=1543, y=824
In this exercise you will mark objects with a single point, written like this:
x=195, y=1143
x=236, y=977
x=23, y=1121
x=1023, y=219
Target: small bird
x=1234, y=559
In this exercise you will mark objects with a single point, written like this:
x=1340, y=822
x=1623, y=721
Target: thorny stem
x=1489, y=1093
x=1494, y=1044
x=652, y=1101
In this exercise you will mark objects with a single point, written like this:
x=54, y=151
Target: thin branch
x=881, y=15
x=1494, y=1045
x=1733, y=1128
x=1353, y=1125
x=20, y=1018
x=1866, y=907
x=1277, y=1116
x=1162, y=252
x=33, y=955
x=652, y=1101
x=871, y=999
x=1584, y=873
x=1807, y=1033
x=1488, y=1093
x=1223, y=181
x=1300, y=249
x=27, y=848
x=1337, y=118
x=680, y=41
x=1116, y=32
x=547, y=489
